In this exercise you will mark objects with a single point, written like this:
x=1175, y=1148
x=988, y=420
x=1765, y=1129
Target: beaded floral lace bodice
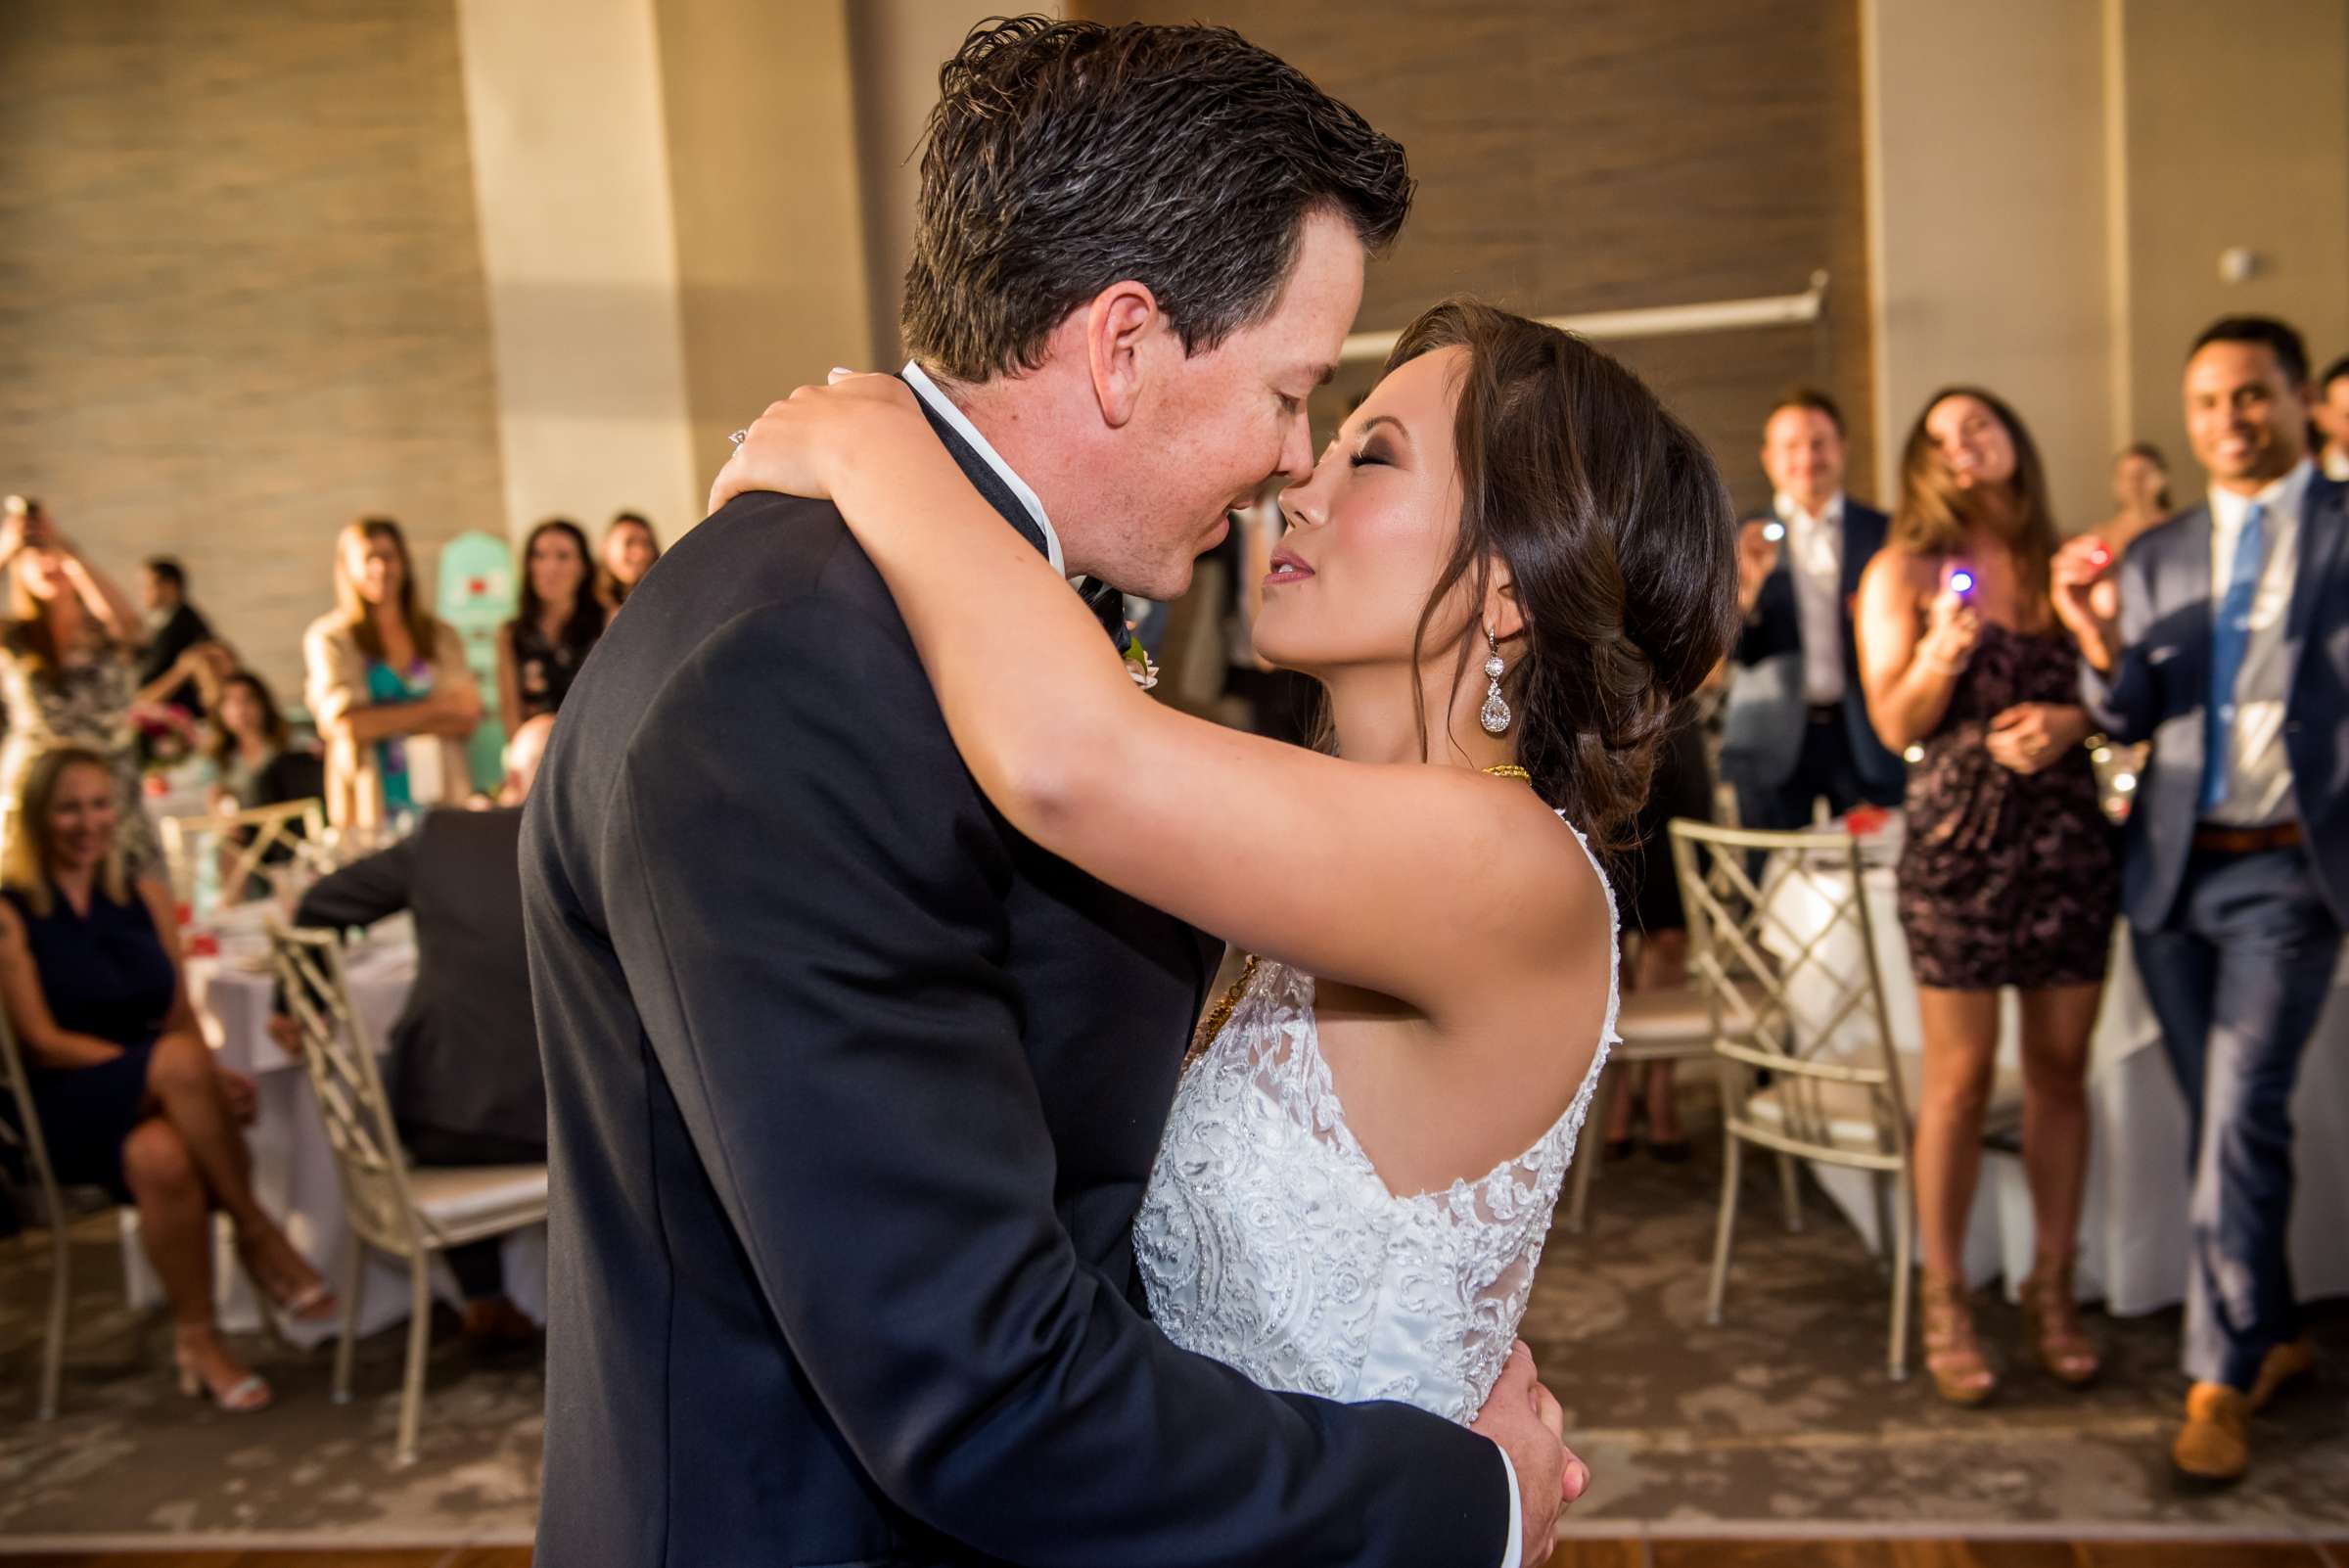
x=1269, y=1241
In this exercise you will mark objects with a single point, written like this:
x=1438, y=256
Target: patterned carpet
x=1781, y=1418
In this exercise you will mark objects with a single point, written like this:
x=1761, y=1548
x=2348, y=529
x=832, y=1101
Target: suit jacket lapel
x=2322, y=525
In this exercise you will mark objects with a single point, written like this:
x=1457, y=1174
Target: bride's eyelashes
x=1372, y=455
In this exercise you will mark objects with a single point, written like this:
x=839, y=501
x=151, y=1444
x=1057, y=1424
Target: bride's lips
x=1287, y=567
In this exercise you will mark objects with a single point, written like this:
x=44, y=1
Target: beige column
x=572, y=183
x=1988, y=224
x=771, y=236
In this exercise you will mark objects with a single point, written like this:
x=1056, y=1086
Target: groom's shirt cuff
x=1514, y=1556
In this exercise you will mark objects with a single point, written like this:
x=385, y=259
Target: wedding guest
x=2331, y=416
x=2140, y=495
x=387, y=686
x=631, y=547
x=466, y=1087
x=2231, y=654
x=252, y=746
x=556, y=623
x=67, y=659
x=1654, y=912
x=174, y=627
x=2008, y=877
x=121, y=1078
x=1795, y=731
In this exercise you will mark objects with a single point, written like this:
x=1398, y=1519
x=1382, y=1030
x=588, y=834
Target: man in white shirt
x=2231, y=654
x=2331, y=416
x=1796, y=731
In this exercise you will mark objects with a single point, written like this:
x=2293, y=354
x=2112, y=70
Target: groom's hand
x=1523, y=1417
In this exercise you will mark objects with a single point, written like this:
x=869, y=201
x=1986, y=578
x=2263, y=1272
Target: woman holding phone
x=2007, y=873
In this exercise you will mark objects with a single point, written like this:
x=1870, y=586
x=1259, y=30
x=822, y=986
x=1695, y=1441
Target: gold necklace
x=1510, y=770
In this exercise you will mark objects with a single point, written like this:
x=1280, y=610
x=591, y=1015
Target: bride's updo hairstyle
x=1620, y=540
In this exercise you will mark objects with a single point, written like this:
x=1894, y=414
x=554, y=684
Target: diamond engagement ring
x=740, y=436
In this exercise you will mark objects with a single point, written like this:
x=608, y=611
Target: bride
x=1505, y=572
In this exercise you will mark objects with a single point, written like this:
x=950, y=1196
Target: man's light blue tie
x=2230, y=637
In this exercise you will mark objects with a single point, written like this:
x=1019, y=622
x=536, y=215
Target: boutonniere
x=1141, y=665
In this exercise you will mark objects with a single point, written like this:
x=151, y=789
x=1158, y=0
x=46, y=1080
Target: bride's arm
x=1422, y=883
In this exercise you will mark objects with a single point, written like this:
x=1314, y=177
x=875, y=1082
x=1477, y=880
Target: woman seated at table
x=388, y=687
x=252, y=747
x=122, y=1082
x=2008, y=874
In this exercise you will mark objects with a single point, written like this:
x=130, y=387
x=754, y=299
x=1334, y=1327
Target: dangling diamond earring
x=1495, y=715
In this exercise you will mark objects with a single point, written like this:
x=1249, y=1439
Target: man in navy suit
x=2225, y=642
x=1796, y=729
x=852, y=1091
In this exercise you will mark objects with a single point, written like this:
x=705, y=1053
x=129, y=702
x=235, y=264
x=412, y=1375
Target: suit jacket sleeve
x=363, y=892
x=1773, y=627
x=2126, y=704
x=821, y=890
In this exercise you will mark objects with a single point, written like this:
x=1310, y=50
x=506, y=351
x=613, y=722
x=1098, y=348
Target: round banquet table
x=293, y=1162
x=2134, y=1232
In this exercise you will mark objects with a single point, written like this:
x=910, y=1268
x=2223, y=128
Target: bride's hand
x=803, y=444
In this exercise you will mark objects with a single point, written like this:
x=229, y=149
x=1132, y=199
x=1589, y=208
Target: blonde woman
x=68, y=668
x=123, y=1083
x=387, y=686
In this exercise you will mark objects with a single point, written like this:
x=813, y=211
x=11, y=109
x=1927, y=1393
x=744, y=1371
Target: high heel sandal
x=244, y=1397
x=313, y=1303
x=2051, y=1325
x=1954, y=1358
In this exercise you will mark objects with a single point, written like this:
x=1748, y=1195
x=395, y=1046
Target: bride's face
x=1370, y=531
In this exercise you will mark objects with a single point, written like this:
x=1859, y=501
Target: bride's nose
x=1304, y=505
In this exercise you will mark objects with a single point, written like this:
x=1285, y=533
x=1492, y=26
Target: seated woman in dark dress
x=252, y=747
x=122, y=1082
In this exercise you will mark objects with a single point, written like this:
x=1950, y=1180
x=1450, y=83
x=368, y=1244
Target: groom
x=852, y=1091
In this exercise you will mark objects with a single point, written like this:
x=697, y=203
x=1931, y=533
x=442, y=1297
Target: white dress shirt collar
x=1790, y=511
x=2283, y=499
x=944, y=406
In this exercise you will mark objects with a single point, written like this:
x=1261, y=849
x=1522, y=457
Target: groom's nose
x=1296, y=449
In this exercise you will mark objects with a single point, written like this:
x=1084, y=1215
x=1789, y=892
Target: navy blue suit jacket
x=1766, y=717
x=2160, y=683
x=854, y=1092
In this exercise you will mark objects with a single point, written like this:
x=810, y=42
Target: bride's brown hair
x=1621, y=545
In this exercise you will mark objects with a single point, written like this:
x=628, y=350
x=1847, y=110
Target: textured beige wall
x=2235, y=135
x=1987, y=210
x=241, y=290
x=570, y=181
x=757, y=97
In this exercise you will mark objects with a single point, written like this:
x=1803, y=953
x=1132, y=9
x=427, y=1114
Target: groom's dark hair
x=1066, y=156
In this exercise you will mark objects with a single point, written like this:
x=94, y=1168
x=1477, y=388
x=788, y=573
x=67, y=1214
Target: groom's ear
x=1118, y=326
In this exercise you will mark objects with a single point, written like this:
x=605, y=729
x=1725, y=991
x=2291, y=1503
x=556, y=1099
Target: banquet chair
x=408, y=1214
x=296, y=826
x=1792, y=1002
x=26, y=1170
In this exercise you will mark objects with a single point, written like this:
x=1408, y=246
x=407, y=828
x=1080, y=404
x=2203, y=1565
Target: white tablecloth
x=293, y=1162
x=2133, y=1236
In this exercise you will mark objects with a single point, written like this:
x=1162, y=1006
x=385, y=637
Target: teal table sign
x=478, y=591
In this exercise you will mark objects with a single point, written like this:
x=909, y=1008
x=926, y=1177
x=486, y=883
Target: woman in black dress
x=122, y=1082
x=540, y=650
x=2008, y=874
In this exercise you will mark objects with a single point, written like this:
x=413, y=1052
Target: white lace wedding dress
x=1269, y=1241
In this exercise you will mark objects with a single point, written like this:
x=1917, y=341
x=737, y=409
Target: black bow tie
x=1108, y=606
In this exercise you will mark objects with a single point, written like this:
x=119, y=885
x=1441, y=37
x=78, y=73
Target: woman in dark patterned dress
x=2007, y=876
